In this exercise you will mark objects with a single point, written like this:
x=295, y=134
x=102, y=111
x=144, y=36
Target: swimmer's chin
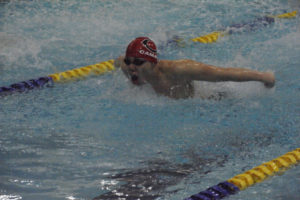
x=135, y=82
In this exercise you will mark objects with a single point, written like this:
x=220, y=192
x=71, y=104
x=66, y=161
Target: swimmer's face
x=134, y=69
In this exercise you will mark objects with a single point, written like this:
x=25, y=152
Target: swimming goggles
x=136, y=61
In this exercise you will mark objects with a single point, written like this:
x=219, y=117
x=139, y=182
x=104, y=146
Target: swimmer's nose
x=132, y=67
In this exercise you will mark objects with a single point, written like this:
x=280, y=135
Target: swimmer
x=174, y=78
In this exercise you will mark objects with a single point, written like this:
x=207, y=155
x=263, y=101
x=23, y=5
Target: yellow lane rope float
x=287, y=15
x=261, y=172
x=96, y=69
x=209, y=38
x=249, y=178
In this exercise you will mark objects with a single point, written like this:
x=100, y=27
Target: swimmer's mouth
x=135, y=79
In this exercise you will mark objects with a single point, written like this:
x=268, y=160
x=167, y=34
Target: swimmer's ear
x=153, y=65
x=118, y=61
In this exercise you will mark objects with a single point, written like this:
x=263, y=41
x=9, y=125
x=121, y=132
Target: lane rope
x=96, y=69
x=249, y=178
x=74, y=74
x=252, y=25
x=27, y=85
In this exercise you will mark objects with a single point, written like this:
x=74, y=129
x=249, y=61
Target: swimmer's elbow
x=269, y=80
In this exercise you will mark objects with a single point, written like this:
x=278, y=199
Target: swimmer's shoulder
x=179, y=66
x=165, y=66
x=172, y=68
x=179, y=63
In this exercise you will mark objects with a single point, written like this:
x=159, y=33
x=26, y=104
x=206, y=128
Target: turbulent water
x=102, y=138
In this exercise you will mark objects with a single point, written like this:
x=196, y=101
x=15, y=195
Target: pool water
x=102, y=138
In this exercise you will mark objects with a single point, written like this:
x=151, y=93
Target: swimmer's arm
x=193, y=70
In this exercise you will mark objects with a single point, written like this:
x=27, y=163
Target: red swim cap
x=142, y=47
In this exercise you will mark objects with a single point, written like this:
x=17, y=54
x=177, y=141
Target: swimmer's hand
x=269, y=81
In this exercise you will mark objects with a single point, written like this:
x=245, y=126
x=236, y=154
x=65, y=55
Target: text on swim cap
x=147, y=53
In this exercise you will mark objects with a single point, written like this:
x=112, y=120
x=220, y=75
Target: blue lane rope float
x=103, y=67
x=249, y=178
x=27, y=85
x=215, y=192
